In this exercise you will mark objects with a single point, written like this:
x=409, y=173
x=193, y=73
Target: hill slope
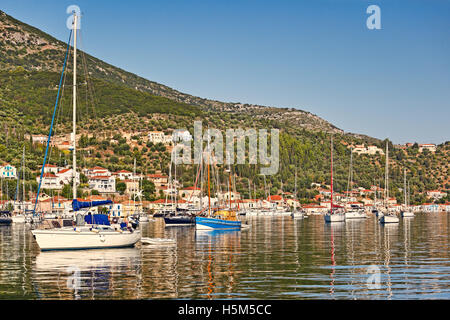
x=34, y=50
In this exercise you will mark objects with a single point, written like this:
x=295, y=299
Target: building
x=159, y=137
x=50, y=181
x=132, y=186
x=103, y=184
x=436, y=194
x=8, y=171
x=124, y=175
x=278, y=200
x=427, y=146
x=97, y=172
x=187, y=193
x=370, y=150
x=50, y=168
x=159, y=180
x=38, y=138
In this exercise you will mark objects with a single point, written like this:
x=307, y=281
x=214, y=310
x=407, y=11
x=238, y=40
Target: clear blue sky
x=316, y=55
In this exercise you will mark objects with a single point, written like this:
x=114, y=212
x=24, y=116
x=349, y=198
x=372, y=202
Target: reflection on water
x=276, y=258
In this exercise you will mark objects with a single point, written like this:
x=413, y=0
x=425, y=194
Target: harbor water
x=276, y=258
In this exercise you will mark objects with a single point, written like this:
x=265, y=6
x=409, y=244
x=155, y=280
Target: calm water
x=277, y=258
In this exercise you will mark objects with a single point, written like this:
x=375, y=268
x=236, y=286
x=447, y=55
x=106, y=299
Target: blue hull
x=202, y=223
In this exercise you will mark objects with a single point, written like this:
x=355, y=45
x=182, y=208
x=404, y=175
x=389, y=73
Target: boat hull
x=5, y=221
x=18, y=218
x=406, y=214
x=336, y=217
x=389, y=219
x=355, y=215
x=179, y=221
x=203, y=223
x=69, y=239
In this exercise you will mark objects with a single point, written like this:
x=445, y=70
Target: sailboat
x=388, y=217
x=296, y=214
x=333, y=215
x=354, y=212
x=222, y=219
x=95, y=231
x=20, y=217
x=406, y=212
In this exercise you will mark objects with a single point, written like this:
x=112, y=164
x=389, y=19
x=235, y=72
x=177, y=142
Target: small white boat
x=406, y=214
x=18, y=218
x=389, y=218
x=355, y=215
x=297, y=214
x=143, y=218
x=334, y=217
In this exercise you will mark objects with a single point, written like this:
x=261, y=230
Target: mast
x=295, y=190
x=404, y=187
x=23, y=175
x=74, y=169
x=386, y=178
x=134, y=186
x=331, y=206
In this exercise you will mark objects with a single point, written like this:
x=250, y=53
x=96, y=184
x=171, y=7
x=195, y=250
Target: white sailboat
x=406, y=212
x=296, y=214
x=83, y=236
x=387, y=216
x=353, y=212
x=333, y=215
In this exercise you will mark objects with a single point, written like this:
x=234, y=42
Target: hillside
x=25, y=46
x=118, y=106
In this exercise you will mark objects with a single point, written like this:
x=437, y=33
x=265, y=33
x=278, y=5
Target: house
x=430, y=207
x=66, y=175
x=50, y=168
x=187, y=193
x=159, y=137
x=124, y=175
x=225, y=196
x=97, y=172
x=50, y=181
x=8, y=171
x=103, y=184
x=370, y=150
x=132, y=186
x=427, y=146
x=436, y=194
x=278, y=200
x=38, y=138
x=158, y=180
x=64, y=145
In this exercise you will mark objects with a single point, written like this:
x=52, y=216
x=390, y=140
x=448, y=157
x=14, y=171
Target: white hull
x=407, y=214
x=355, y=215
x=336, y=217
x=389, y=219
x=69, y=239
x=18, y=218
x=297, y=215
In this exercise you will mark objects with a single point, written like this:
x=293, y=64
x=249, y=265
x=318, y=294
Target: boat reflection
x=83, y=274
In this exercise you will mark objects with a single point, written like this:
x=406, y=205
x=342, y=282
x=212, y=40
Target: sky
x=316, y=55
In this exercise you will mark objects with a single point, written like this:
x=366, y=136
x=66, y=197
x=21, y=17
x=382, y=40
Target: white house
x=436, y=194
x=97, y=172
x=427, y=146
x=8, y=171
x=124, y=175
x=103, y=184
x=50, y=181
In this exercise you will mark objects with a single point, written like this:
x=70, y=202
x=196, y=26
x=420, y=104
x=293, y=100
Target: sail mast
x=74, y=165
x=331, y=205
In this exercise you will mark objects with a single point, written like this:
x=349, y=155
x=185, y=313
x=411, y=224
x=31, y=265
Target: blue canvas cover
x=77, y=205
x=101, y=219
